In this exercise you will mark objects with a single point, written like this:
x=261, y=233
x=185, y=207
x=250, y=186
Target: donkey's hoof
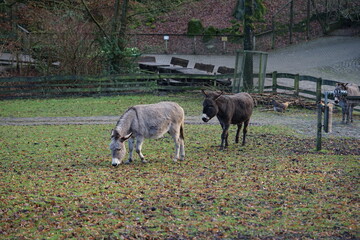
x=222, y=148
x=176, y=159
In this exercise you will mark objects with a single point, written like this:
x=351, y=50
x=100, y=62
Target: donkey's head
x=117, y=147
x=210, y=107
x=337, y=92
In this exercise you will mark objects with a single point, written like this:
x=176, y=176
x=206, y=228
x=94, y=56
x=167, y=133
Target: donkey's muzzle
x=205, y=118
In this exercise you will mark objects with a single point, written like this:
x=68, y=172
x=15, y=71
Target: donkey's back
x=243, y=107
x=353, y=90
x=154, y=120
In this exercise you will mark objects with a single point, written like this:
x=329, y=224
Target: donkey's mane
x=124, y=118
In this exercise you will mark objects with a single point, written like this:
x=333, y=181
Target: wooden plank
x=204, y=67
x=79, y=78
x=80, y=90
x=179, y=61
x=308, y=78
x=53, y=85
x=79, y=87
x=225, y=70
x=285, y=88
x=285, y=75
x=329, y=82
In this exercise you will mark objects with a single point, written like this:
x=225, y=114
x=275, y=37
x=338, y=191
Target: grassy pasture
x=104, y=106
x=57, y=182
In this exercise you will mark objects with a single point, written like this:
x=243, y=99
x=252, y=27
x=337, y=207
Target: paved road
x=334, y=58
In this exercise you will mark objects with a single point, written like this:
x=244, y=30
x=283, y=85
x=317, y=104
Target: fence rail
x=314, y=89
x=63, y=86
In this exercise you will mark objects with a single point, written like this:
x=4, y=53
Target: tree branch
x=94, y=20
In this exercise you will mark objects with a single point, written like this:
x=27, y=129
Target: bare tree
x=114, y=42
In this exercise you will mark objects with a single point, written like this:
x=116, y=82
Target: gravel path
x=305, y=125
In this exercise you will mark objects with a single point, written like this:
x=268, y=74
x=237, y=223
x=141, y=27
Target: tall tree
x=114, y=42
x=249, y=11
x=248, y=45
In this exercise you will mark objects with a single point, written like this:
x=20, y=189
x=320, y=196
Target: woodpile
x=265, y=99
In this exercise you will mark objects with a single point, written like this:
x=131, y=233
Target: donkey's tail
x=182, y=131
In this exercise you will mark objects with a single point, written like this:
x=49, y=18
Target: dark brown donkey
x=229, y=109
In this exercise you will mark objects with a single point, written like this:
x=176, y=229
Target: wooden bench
x=146, y=59
x=149, y=63
x=225, y=70
x=179, y=62
x=204, y=67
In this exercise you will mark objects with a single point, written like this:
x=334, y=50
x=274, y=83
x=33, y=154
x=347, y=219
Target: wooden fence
x=63, y=86
x=314, y=87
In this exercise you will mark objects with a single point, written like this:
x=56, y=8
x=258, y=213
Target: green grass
x=58, y=182
x=109, y=106
x=104, y=106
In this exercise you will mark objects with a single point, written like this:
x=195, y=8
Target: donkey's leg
x=131, y=148
x=351, y=109
x=182, y=149
x=238, y=132
x=179, y=147
x=347, y=113
x=181, y=140
x=224, y=136
x=343, y=111
x=246, y=123
x=139, y=142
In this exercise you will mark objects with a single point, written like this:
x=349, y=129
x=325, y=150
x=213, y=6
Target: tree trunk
x=119, y=61
x=248, y=45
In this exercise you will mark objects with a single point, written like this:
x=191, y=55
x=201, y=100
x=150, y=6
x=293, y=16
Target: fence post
x=274, y=81
x=237, y=74
x=297, y=84
x=318, y=89
x=319, y=113
x=319, y=125
x=261, y=84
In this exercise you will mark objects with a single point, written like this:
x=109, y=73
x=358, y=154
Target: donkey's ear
x=123, y=139
x=203, y=92
x=216, y=98
x=114, y=133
